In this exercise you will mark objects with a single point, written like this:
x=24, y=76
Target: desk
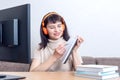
x=47, y=75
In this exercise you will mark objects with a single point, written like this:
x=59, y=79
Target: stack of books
x=98, y=72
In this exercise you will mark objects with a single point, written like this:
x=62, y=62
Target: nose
x=56, y=29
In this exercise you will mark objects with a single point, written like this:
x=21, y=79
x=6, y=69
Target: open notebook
x=69, y=46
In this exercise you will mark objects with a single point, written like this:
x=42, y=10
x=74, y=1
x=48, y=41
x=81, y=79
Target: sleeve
x=79, y=54
x=37, y=53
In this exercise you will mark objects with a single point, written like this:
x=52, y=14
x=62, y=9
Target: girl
x=54, y=35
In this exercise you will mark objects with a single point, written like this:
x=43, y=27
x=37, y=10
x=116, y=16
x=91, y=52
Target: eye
x=59, y=26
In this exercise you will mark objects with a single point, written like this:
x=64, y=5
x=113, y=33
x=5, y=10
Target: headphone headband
x=50, y=13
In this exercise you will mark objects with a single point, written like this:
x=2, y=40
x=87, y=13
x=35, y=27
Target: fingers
x=60, y=49
x=79, y=40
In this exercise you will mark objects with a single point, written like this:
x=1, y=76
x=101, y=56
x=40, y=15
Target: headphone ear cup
x=45, y=31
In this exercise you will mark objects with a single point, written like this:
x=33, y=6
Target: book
x=96, y=68
x=95, y=73
x=115, y=75
x=69, y=46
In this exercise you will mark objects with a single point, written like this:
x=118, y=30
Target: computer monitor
x=15, y=34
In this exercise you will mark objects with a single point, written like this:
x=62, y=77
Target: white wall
x=11, y=3
x=97, y=21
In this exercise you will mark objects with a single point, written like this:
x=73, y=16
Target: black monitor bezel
x=22, y=52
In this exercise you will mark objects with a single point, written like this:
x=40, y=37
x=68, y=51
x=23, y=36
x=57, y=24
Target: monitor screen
x=15, y=34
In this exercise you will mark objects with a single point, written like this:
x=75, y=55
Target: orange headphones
x=43, y=25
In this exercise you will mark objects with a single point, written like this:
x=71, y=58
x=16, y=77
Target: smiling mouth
x=57, y=34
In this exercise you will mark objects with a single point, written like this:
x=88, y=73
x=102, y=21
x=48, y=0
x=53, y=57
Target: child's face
x=55, y=30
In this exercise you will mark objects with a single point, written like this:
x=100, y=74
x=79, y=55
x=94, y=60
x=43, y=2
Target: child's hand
x=59, y=51
x=78, y=43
